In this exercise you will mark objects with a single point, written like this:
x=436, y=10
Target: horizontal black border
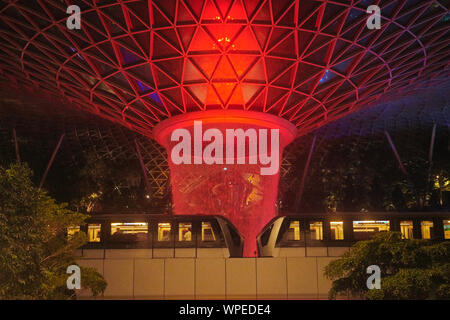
x=170, y=309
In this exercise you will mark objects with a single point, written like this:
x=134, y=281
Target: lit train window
x=129, y=232
x=337, y=230
x=128, y=227
x=164, y=231
x=94, y=232
x=294, y=231
x=184, y=231
x=316, y=230
x=446, y=229
x=427, y=229
x=207, y=232
x=406, y=227
x=364, y=230
x=71, y=231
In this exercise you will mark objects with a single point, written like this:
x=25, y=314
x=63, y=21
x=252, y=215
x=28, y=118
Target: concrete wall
x=133, y=276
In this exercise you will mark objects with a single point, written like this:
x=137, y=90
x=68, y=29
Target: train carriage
x=331, y=234
x=160, y=236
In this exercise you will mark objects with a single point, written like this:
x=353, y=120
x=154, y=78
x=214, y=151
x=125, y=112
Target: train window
x=446, y=229
x=207, y=232
x=427, y=229
x=129, y=231
x=294, y=231
x=337, y=230
x=364, y=230
x=406, y=227
x=129, y=227
x=235, y=237
x=164, y=231
x=184, y=231
x=94, y=232
x=266, y=236
x=71, y=231
x=316, y=230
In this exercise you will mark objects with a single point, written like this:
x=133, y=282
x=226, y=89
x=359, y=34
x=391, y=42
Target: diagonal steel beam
x=51, y=160
x=305, y=173
x=430, y=158
x=144, y=170
x=397, y=156
x=16, y=144
x=433, y=137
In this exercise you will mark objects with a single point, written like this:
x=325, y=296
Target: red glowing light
x=238, y=192
x=140, y=62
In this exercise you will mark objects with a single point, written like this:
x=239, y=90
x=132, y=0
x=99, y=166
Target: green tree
x=34, y=250
x=112, y=185
x=410, y=269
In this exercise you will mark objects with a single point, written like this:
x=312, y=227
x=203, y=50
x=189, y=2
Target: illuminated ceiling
x=140, y=62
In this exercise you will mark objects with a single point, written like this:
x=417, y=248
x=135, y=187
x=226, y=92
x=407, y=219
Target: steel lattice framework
x=419, y=110
x=84, y=133
x=140, y=62
x=33, y=119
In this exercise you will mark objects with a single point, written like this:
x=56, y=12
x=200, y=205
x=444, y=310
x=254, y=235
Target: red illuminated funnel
x=239, y=192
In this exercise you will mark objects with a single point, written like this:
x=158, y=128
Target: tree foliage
x=106, y=185
x=34, y=250
x=410, y=269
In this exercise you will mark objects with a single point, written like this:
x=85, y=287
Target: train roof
x=369, y=214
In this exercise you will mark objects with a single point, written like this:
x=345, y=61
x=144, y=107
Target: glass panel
x=427, y=229
x=446, y=229
x=71, y=231
x=94, y=232
x=129, y=227
x=266, y=236
x=235, y=236
x=364, y=230
x=207, y=232
x=184, y=231
x=129, y=231
x=316, y=229
x=164, y=231
x=337, y=230
x=294, y=231
x=406, y=227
